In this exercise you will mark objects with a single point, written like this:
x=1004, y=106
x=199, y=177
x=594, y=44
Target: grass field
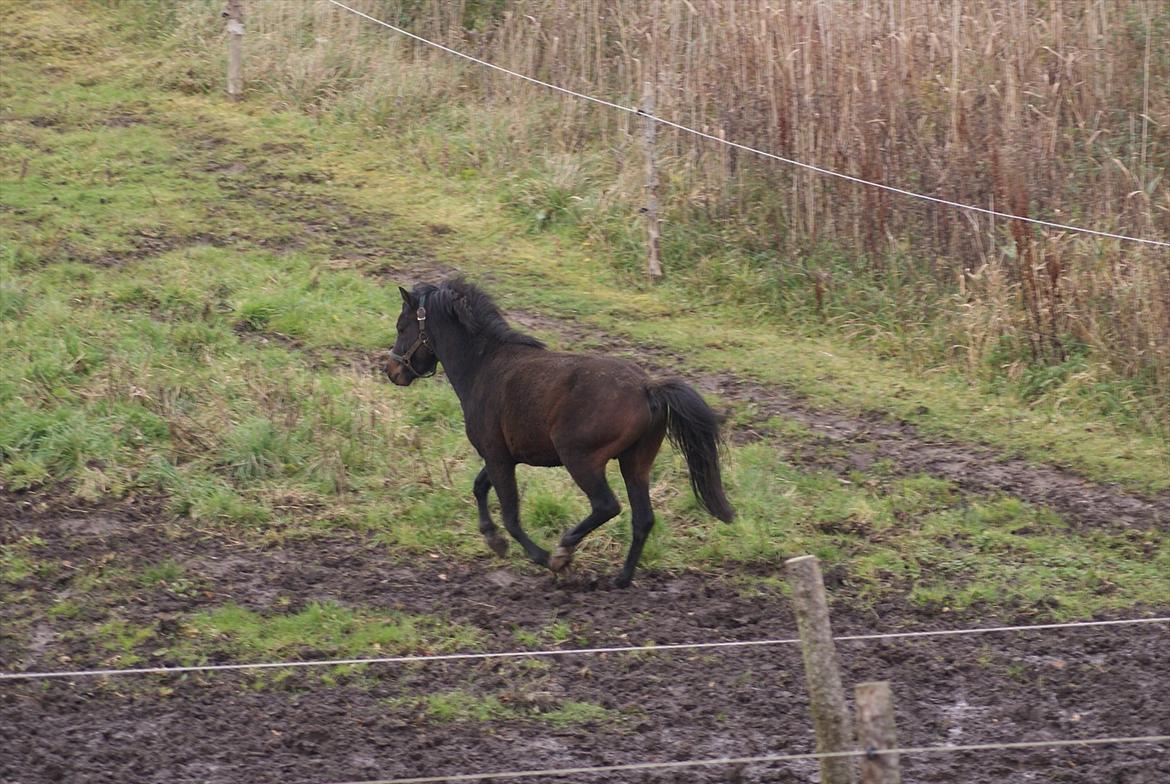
x=195, y=295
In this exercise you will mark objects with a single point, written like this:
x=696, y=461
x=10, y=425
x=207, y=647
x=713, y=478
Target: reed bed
x=1057, y=110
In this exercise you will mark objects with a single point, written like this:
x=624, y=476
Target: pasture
x=201, y=462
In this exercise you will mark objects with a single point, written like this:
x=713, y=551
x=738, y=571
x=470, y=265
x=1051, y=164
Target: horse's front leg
x=487, y=527
x=503, y=477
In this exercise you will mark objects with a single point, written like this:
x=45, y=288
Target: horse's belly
x=534, y=451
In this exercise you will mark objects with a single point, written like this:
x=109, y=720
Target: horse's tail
x=693, y=428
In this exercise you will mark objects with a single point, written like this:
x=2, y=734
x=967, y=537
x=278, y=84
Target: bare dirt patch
x=975, y=468
x=149, y=244
x=668, y=706
x=317, y=357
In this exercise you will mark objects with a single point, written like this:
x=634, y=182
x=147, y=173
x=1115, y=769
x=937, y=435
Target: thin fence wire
x=762, y=759
x=664, y=648
x=745, y=148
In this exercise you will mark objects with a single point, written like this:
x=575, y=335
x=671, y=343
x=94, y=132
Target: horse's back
x=592, y=383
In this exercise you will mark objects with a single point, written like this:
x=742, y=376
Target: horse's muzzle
x=398, y=373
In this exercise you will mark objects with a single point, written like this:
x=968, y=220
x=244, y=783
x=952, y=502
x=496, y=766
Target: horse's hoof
x=560, y=559
x=622, y=581
x=498, y=544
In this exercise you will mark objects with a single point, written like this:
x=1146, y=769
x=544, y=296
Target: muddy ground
x=234, y=727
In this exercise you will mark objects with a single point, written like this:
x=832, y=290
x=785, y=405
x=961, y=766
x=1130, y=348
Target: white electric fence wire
x=446, y=657
x=744, y=147
x=763, y=758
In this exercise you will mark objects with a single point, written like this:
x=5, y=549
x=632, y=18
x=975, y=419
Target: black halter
x=422, y=340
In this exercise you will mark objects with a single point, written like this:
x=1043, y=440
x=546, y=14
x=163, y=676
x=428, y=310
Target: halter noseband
x=422, y=340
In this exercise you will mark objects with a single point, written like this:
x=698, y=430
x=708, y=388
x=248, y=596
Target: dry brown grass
x=1057, y=110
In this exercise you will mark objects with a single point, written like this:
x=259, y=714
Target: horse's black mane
x=474, y=309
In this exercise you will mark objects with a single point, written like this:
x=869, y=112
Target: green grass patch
x=19, y=560
x=454, y=706
x=464, y=706
x=171, y=577
x=325, y=629
x=162, y=573
x=573, y=712
x=123, y=641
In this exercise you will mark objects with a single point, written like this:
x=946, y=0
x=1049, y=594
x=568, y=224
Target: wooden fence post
x=235, y=28
x=830, y=716
x=653, y=262
x=876, y=732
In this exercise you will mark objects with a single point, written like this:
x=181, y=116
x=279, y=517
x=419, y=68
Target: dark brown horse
x=525, y=404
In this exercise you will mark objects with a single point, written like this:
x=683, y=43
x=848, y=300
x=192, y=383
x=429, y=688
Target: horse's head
x=413, y=355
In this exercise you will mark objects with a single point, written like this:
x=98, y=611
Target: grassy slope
x=191, y=292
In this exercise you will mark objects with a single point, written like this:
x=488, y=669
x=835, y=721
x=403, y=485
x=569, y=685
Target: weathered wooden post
x=831, y=720
x=650, y=129
x=235, y=29
x=653, y=262
x=876, y=732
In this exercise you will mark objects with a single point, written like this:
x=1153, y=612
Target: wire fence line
x=745, y=148
x=764, y=758
x=663, y=648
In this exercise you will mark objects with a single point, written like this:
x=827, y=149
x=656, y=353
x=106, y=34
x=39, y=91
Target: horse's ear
x=405, y=296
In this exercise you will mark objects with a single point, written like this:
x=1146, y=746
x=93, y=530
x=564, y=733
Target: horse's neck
x=461, y=362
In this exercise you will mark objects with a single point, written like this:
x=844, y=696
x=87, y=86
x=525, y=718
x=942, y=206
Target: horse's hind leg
x=502, y=476
x=635, y=463
x=604, y=507
x=491, y=534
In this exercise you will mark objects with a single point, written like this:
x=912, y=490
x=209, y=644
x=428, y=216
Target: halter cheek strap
x=423, y=339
